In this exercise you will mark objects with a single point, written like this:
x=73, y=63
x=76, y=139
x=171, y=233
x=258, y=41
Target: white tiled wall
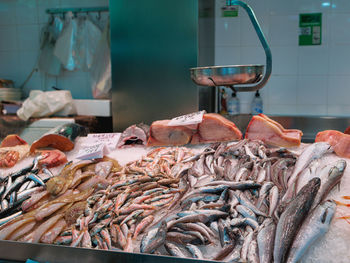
x=305, y=80
x=21, y=22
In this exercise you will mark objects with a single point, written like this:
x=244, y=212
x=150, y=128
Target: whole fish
x=246, y=212
x=154, y=238
x=273, y=197
x=14, y=186
x=242, y=185
x=315, y=226
x=334, y=177
x=253, y=252
x=312, y=152
x=263, y=193
x=223, y=233
x=265, y=238
x=245, y=247
x=247, y=203
x=174, y=250
x=195, y=251
x=292, y=218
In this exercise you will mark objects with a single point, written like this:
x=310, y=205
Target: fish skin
x=143, y=224
x=246, y=212
x=180, y=237
x=335, y=175
x=198, y=217
x=253, y=252
x=292, y=218
x=244, y=222
x=315, y=226
x=209, y=212
x=223, y=233
x=246, y=202
x=154, y=238
x=245, y=246
x=14, y=186
x=274, y=198
x=9, y=218
x=312, y=152
x=199, y=227
x=36, y=179
x=263, y=192
x=174, y=250
x=265, y=239
x=195, y=251
x=242, y=185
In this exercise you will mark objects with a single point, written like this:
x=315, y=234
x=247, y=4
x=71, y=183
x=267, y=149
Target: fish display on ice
x=222, y=203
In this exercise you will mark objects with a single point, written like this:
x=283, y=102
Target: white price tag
x=95, y=151
x=108, y=139
x=188, y=119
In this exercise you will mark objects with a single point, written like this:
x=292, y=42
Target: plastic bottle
x=233, y=107
x=223, y=101
x=257, y=104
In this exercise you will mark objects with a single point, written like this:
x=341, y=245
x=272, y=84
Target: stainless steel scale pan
x=234, y=75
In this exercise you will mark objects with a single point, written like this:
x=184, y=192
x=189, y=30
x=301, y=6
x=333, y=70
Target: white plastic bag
x=87, y=40
x=43, y=104
x=65, y=44
x=48, y=62
x=101, y=81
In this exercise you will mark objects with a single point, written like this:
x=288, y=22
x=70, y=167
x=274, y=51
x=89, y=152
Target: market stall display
x=227, y=201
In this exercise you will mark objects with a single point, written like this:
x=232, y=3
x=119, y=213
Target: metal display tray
x=19, y=251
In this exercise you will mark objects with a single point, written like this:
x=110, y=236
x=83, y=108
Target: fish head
x=337, y=171
x=341, y=165
x=315, y=183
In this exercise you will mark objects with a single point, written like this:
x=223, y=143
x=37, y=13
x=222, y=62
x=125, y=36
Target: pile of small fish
x=17, y=187
x=58, y=203
x=114, y=217
x=235, y=209
x=233, y=202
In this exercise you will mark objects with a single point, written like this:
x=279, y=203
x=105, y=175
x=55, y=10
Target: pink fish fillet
x=163, y=135
x=216, y=128
x=271, y=132
x=340, y=141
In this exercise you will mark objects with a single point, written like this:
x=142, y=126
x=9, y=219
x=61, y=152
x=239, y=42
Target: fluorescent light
x=325, y=4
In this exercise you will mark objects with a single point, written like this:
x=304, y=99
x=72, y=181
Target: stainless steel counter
x=309, y=125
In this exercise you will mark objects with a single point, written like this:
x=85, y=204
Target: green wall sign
x=229, y=10
x=310, y=29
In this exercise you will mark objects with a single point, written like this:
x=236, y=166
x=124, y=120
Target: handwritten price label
x=92, y=152
x=188, y=119
x=109, y=139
